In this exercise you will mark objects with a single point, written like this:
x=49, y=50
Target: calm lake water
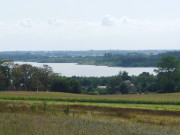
x=73, y=69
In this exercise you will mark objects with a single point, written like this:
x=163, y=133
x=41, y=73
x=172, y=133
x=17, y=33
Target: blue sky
x=89, y=24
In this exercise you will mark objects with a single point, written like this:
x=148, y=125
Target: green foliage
x=145, y=82
x=33, y=107
x=66, y=110
x=91, y=100
x=5, y=74
x=124, y=75
x=116, y=84
x=110, y=58
x=75, y=86
x=44, y=105
x=60, y=84
x=26, y=76
x=168, y=73
x=64, y=84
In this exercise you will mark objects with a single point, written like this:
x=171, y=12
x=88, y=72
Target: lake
x=73, y=69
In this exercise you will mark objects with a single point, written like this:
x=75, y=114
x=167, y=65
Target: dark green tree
x=168, y=70
x=124, y=75
x=5, y=74
x=116, y=84
x=75, y=86
x=16, y=76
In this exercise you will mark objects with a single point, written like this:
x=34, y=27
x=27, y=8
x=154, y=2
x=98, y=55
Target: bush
x=44, y=106
x=66, y=110
x=33, y=107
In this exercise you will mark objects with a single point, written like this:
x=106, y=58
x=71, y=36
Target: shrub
x=33, y=107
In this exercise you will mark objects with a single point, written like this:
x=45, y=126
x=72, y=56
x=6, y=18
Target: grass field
x=27, y=114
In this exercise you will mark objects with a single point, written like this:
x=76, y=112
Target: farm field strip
x=91, y=100
x=108, y=105
x=156, y=97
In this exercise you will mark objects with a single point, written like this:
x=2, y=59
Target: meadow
x=37, y=113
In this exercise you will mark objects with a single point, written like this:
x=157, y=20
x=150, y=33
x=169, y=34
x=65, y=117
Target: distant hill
x=81, y=53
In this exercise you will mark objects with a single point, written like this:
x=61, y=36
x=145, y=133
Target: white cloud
x=89, y=35
x=54, y=22
x=125, y=20
x=27, y=23
x=108, y=20
x=1, y=25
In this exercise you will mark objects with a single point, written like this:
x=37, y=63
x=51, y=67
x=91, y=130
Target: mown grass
x=43, y=118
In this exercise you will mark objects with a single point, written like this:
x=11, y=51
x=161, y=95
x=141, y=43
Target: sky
x=89, y=25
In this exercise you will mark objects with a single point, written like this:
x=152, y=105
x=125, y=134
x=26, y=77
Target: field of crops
x=49, y=113
x=154, y=97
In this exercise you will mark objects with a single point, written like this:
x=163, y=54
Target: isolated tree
x=168, y=73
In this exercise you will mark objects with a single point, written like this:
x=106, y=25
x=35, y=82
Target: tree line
x=131, y=59
x=27, y=77
x=30, y=78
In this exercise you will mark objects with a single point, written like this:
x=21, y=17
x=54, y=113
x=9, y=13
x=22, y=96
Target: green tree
x=124, y=75
x=145, y=82
x=5, y=74
x=75, y=86
x=60, y=84
x=116, y=84
x=17, y=76
x=28, y=73
x=45, y=74
x=168, y=73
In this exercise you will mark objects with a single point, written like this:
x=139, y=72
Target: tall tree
x=17, y=76
x=168, y=73
x=27, y=75
x=5, y=73
x=45, y=74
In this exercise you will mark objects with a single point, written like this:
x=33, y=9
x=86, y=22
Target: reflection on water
x=73, y=69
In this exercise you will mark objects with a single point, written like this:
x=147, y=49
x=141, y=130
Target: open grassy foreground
x=20, y=114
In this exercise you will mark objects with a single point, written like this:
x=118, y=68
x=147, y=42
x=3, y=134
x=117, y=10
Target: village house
x=132, y=88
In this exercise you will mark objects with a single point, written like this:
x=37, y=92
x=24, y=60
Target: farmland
x=39, y=113
x=156, y=97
